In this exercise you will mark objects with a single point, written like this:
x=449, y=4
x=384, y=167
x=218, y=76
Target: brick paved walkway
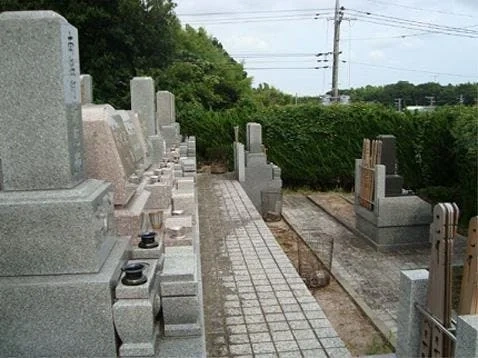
x=256, y=305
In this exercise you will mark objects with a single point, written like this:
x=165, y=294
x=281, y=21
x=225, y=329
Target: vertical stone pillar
x=413, y=289
x=389, y=153
x=358, y=163
x=166, y=108
x=29, y=63
x=467, y=336
x=142, y=102
x=86, y=83
x=241, y=162
x=379, y=190
x=254, y=138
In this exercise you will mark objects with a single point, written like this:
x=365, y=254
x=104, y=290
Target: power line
x=388, y=24
x=268, y=55
x=397, y=22
x=412, y=70
x=217, y=13
x=420, y=9
x=414, y=22
x=283, y=68
x=241, y=20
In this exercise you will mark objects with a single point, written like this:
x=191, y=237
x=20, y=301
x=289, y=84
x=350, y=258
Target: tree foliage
x=416, y=94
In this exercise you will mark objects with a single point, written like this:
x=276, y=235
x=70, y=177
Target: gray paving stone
x=320, y=323
x=314, y=353
x=294, y=316
x=264, y=347
x=291, y=308
x=238, y=338
x=291, y=354
x=232, y=304
x=284, y=346
x=278, y=326
x=272, y=309
x=265, y=295
x=260, y=337
x=234, y=320
x=287, y=300
x=254, y=319
x=252, y=311
x=308, y=343
x=237, y=329
x=269, y=302
x=325, y=332
x=332, y=342
x=275, y=317
x=338, y=353
x=282, y=336
x=250, y=303
x=237, y=349
x=302, y=334
x=233, y=312
x=257, y=327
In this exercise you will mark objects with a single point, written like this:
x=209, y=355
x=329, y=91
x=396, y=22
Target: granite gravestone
x=108, y=154
x=55, y=226
x=393, y=181
x=142, y=102
x=40, y=118
x=134, y=138
x=166, y=108
x=86, y=83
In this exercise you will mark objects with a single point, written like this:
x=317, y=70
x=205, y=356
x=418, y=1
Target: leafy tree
x=266, y=95
x=203, y=73
x=118, y=39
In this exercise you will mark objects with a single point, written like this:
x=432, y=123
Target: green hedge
x=316, y=145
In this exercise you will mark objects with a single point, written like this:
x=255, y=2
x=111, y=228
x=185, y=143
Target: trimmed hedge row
x=316, y=145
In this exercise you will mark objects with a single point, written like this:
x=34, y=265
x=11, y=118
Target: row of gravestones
x=75, y=279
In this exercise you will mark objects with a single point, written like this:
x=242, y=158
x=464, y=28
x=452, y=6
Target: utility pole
x=398, y=102
x=335, y=69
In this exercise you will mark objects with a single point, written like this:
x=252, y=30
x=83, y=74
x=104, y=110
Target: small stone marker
x=27, y=160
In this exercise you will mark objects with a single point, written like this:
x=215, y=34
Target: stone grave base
x=61, y=315
x=129, y=220
x=401, y=222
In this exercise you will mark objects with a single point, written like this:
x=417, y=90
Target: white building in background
x=328, y=100
x=420, y=108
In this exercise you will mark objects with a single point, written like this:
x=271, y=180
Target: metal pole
x=335, y=68
x=437, y=323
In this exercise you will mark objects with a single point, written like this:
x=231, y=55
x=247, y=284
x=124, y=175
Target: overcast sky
x=378, y=42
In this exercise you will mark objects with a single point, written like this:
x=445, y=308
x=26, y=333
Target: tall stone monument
x=166, y=116
x=58, y=260
x=393, y=181
x=144, y=105
x=260, y=179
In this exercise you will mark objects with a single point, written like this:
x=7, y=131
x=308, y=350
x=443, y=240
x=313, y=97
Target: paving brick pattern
x=256, y=305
